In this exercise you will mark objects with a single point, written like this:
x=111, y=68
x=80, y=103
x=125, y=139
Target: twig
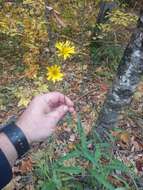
x=89, y=92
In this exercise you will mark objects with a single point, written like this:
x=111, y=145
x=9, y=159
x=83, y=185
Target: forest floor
x=87, y=86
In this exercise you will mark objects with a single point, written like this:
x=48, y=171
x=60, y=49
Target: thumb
x=58, y=113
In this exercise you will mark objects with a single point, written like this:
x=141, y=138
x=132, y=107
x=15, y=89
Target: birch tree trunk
x=128, y=76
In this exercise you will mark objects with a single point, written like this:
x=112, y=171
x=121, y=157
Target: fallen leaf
x=10, y=186
x=71, y=146
x=115, y=181
x=59, y=20
x=72, y=138
x=26, y=165
x=136, y=144
x=139, y=164
x=125, y=137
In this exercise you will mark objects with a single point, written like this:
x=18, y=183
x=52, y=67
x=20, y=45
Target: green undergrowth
x=107, y=54
x=91, y=168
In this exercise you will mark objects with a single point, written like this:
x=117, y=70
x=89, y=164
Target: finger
x=71, y=109
x=56, y=115
x=56, y=98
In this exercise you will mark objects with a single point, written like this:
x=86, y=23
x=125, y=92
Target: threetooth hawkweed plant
x=65, y=49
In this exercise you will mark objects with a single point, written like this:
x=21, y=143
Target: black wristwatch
x=17, y=138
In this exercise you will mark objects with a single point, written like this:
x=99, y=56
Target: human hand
x=40, y=118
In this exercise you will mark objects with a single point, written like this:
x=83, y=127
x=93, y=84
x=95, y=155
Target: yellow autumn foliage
x=118, y=20
x=24, y=94
x=28, y=22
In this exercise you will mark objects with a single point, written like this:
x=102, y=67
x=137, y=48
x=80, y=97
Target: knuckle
x=37, y=98
x=56, y=93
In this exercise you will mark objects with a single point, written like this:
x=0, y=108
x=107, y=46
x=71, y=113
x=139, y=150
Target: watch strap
x=17, y=138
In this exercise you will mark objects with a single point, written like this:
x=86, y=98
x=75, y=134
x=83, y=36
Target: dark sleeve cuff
x=5, y=170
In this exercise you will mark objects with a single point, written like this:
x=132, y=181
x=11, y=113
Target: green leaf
x=96, y=136
x=103, y=145
x=82, y=135
x=89, y=156
x=122, y=180
x=69, y=119
x=117, y=165
x=57, y=180
x=102, y=180
x=48, y=186
x=69, y=155
x=85, y=152
x=70, y=170
x=97, y=154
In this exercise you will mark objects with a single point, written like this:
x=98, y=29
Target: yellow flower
x=65, y=49
x=54, y=73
